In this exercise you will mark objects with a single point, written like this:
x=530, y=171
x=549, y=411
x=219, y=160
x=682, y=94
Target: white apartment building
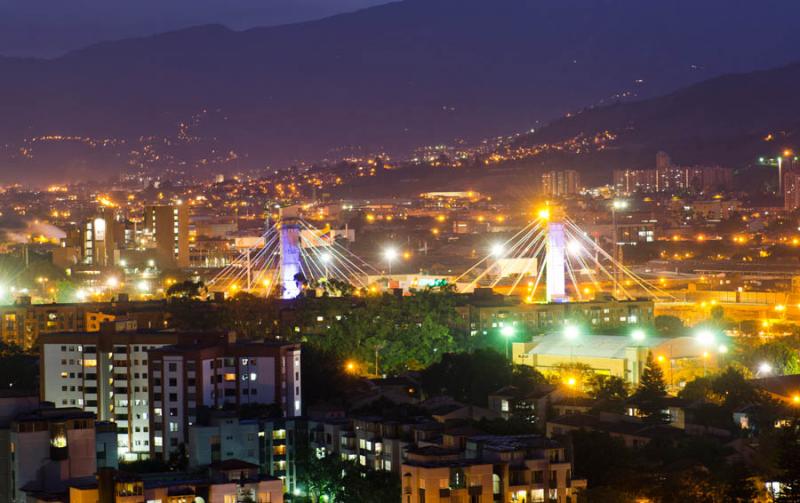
x=106, y=373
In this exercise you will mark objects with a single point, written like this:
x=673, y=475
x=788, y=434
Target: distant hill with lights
x=727, y=120
x=387, y=78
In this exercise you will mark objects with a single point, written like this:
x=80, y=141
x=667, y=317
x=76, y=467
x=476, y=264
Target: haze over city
x=420, y=251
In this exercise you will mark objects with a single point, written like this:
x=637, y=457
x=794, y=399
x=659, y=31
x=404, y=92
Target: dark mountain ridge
x=390, y=77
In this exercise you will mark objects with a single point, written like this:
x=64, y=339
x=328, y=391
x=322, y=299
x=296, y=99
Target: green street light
x=571, y=332
x=638, y=335
x=705, y=337
x=507, y=331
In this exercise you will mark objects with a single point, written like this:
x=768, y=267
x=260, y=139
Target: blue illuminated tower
x=290, y=266
x=556, y=247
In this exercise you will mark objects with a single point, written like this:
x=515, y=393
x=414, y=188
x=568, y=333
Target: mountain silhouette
x=391, y=77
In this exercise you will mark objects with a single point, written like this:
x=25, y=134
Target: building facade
x=167, y=228
x=23, y=323
x=561, y=183
x=186, y=378
x=491, y=313
x=107, y=373
x=525, y=468
x=47, y=448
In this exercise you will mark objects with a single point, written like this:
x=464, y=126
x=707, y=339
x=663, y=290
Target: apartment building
x=522, y=468
x=167, y=230
x=23, y=323
x=106, y=373
x=184, y=378
x=486, y=312
x=47, y=447
x=234, y=481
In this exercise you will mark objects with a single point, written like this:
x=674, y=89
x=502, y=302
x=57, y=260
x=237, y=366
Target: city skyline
x=426, y=251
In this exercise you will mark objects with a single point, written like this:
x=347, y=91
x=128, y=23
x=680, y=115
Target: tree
x=332, y=287
x=370, y=486
x=608, y=388
x=324, y=477
x=324, y=377
x=605, y=462
x=526, y=378
x=250, y=316
x=66, y=292
x=788, y=463
x=782, y=355
x=195, y=315
x=733, y=389
x=717, y=315
x=178, y=459
x=567, y=371
x=402, y=333
x=468, y=377
x=698, y=389
x=739, y=484
x=18, y=370
x=669, y=325
x=187, y=289
x=651, y=394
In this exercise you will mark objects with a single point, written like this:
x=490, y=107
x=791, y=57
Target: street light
x=390, y=255
x=571, y=332
x=544, y=214
x=326, y=259
x=764, y=368
x=638, y=335
x=706, y=339
x=507, y=331
x=574, y=247
x=497, y=250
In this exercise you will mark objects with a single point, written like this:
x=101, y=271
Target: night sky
x=52, y=27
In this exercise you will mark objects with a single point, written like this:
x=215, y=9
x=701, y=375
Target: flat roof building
x=616, y=355
x=184, y=378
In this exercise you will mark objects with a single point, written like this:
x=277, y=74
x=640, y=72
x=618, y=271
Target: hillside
x=730, y=120
x=390, y=77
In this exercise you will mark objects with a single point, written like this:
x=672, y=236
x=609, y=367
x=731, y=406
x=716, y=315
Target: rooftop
x=54, y=414
x=514, y=442
x=601, y=346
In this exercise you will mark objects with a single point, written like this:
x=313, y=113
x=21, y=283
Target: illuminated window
x=230, y=377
